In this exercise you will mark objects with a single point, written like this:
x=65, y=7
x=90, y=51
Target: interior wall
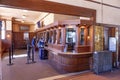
x=20, y=39
x=110, y=14
x=51, y=17
x=8, y=25
x=16, y=27
x=20, y=42
x=32, y=28
x=48, y=19
x=6, y=43
x=59, y=17
x=111, y=2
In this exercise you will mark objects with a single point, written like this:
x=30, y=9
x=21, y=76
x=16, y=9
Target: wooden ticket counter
x=65, y=37
x=66, y=62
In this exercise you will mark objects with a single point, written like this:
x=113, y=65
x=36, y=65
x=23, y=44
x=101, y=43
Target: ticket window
x=70, y=38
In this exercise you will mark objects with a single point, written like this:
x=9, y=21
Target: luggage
x=43, y=54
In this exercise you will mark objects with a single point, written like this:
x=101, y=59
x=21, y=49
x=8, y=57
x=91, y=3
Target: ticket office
x=68, y=37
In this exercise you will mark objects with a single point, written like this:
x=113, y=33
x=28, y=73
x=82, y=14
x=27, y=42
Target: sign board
x=112, y=44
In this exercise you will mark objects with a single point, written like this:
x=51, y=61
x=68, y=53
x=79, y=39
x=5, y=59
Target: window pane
x=3, y=30
x=26, y=35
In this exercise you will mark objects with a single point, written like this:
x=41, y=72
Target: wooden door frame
x=52, y=7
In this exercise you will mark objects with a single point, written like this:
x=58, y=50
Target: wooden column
x=49, y=36
x=0, y=48
x=58, y=36
x=63, y=38
x=77, y=36
x=112, y=32
x=0, y=59
x=63, y=34
x=52, y=35
x=85, y=35
x=92, y=36
x=44, y=34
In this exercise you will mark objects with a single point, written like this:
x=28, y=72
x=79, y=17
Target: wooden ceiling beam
x=47, y=6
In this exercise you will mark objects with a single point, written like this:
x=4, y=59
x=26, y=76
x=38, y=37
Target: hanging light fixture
x=23, y=16
x=22, y=21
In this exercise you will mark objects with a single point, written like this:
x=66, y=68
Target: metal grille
x=102, y=61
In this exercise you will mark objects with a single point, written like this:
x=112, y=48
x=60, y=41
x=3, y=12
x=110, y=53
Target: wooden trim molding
x=107, y=25
x=47, y=6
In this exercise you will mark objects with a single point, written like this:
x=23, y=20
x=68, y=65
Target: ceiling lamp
x=22, y=21
x=25, y=10
x=18, y=19
x=23, y=16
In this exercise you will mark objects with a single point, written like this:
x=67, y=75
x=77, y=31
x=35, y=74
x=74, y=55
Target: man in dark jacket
x=28, y=50
x=33, y=47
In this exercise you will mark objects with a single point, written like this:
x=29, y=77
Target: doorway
x=111, y=43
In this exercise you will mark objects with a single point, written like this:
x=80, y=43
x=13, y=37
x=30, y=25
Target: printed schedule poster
x=112, y=44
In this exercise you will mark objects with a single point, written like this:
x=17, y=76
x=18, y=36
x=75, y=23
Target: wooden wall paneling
x=92, y=35
x=63, y=34
x=18, y=41
x=112, y=32
x=6, y=43
x=119, y=43
x=84, y=48
x=85, y=35
x=31, y=35
x=77, y=36
x=65, y=63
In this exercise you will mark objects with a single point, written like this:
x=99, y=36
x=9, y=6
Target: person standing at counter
x=33, y=48
x=41, y=44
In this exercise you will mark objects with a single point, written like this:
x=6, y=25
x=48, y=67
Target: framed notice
x=24, y=28
x=112, y=44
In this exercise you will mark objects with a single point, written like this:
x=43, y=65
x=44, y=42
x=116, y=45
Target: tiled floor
x=42, y=70
x=115, y=75
x=22, y=71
